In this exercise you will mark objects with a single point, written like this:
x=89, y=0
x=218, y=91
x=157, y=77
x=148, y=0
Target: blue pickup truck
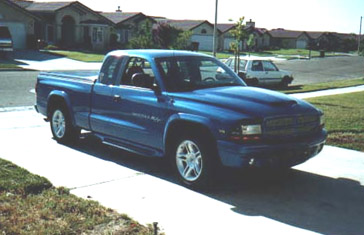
x=185, y=106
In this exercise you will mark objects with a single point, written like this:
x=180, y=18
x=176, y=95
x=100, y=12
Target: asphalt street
x=325, y=69
x=324, y=195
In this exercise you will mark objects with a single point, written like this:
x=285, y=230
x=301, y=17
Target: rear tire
x=61, y=126
x=193, y=160
x=285, y=82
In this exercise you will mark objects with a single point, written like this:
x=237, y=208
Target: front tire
x=62, y=129
x=194, y=161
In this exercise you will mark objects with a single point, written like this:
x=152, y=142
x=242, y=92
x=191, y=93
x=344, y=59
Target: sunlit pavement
x=324, y=195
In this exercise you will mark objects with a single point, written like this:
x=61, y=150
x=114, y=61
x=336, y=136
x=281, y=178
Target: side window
x=109, y=71
x=138, y=72
x=257, y=65
x=269, y=66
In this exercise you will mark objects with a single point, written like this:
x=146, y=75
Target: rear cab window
x=109, y=70
x=138, y=73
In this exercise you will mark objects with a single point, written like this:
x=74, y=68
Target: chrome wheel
x=189, y=160
x=58, y=124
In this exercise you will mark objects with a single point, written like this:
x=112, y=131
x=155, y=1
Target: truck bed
x=74, y=86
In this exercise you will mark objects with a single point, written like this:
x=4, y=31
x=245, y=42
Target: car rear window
x=4, y=32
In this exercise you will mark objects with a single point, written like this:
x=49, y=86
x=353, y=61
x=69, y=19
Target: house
x=126, y=23
x=226, y=37
x=22, y=24
x=69, y=24
x=261, y=39
x=288, y=38
x=202, y=32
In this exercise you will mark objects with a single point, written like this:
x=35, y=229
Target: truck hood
x=251, y=101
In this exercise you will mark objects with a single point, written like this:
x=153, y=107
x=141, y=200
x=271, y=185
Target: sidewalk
x=336, y=91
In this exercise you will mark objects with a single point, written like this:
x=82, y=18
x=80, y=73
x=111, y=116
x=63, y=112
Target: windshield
x=192, y=73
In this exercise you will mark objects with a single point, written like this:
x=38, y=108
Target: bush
x=51, y=47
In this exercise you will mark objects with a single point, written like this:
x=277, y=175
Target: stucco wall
x=79, y=31
x=10, y=14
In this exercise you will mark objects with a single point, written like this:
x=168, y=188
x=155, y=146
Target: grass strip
x=29, y=204
x=9, y=66
x=344, y=116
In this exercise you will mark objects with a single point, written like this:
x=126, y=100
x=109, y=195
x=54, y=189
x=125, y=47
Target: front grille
x=291, y=126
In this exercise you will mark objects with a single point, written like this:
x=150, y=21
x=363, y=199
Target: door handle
x=116, y=98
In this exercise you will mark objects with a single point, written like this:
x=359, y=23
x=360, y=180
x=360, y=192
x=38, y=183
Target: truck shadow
x=297, y=198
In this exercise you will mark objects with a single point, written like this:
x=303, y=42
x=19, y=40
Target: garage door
x=18, y=34
x=205, y=42
x=228, y=41
x=301, y=44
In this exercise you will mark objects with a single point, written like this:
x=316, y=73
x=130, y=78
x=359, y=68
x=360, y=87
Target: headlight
x=246, y=132
x=251, y=129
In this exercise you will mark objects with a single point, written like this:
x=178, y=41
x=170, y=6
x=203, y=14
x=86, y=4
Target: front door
x=272, y=74
x=141, y=111
x=102, y=119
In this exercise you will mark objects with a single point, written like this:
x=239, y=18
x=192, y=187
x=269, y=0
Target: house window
x=203, y=31
x=94, y=34
x=97, y=35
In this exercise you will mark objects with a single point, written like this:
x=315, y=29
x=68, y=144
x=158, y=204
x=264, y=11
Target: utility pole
x=359, y=38
x=214, y=42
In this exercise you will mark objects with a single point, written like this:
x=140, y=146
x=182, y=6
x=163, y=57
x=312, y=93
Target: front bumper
x=270, y=155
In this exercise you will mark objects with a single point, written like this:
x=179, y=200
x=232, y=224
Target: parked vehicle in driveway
x=6, y=42
x=258, y=71
x=185, y=106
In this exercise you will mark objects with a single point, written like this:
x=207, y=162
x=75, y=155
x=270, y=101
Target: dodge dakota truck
x=184, y=106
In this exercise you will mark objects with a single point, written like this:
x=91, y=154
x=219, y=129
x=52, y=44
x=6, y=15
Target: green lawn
x=344, y=116
x=8, y=66
x=78, y=55
x=29, y=204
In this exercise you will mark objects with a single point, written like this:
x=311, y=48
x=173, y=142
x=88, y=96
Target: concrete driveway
x=35, y=60
x=324, y=195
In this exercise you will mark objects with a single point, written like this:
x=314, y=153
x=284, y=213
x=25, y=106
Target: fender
x=191, y=118
x=65, y=97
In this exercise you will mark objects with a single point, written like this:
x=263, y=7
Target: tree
x=165, y=35
x=144, y=37
x=240, y=34
x=183, y=41
x=251, y=42
x=169, y=37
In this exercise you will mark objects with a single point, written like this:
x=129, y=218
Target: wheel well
x=53, y=102
x=186, y=127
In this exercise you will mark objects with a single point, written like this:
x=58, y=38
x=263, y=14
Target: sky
x=306, y=15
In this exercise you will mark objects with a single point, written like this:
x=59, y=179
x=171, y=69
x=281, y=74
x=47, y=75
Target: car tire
x=193, y=160
x=285, y=82
x=61, y=126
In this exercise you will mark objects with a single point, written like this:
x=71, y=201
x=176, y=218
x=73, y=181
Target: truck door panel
x=102, y=113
